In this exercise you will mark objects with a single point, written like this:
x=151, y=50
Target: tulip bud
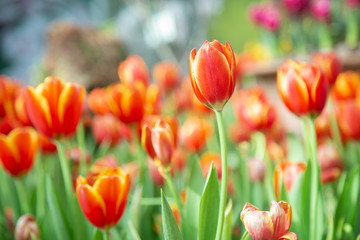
x=302, y=87
x=26, y=228
x=330, y=162
x=167, y=75
x=133, y=69
x=256, y=169
x=212, y=72
x=321, y=10
x=347, y=86
x=296, y=7
x=289, y=171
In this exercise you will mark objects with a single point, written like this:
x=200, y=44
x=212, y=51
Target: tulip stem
x=80, y=137
x=21, y=190
x=65, y=172
x=335, y=129
x=105, y=235
x=310, y=143
x=224, y=174
x=171, y=185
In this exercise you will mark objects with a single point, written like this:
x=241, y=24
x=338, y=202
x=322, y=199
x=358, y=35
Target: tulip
x=26, y=228
x=153, y=100
x=289, y=172
x=267, y=15
x=348, y=117
x=205, y=162
x=132, y=70
x=74, y=155
x=97, y=101
x=46, y=145
x=330, y=64
x=296, y=7
x=198, y=107
x=195, y=132
x=239, y=133
x=18, y=150
x=212, y=73
x=322, y=125
x=183, y=95
x=256, y=169
x=155, y=174
x=179, y=159
x=9, y=89
x=158, y=141
x=109, y=129
x=54, y=107
x=268, y=225
x=302, y=87
x=167, y=75
x=20, y=109
x=103, y=202
x=126, y=102
x=347, y=86
x=7, y=124
x=252, y=108
x=321, y=10
x=330, y=162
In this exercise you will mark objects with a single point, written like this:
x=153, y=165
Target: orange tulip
x=212, y=73
x=9, y=90
x=347, y=86
x=330, y=162
x=158, y=141
x=289, y=171
x=20, y=109
x=153, y=100
x=183, y=95
x=55, y=107
x=126, y=102
x=133, y=69
x=97, y=101
x=322, y=125
x=167, y=75
x=18, y=150
x=348, y=118
x=46, y=145
x=205, y=162
x=329, y=64
x=252, y=108
x=103, y=203
x=302, y=87
x=268, y=225
x=7, y=124
x=195, y=132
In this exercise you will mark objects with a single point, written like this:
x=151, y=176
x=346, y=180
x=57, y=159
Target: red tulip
x=302, y=87
x=268, y=225
x=55, y=107
x=212, y=73
x=153, y=100
x=133, y=69
x=9, y=89
x=46, y=145
x=330, y=162
x=103, y=203
x=97, y=101
x=348, y=118
x=18, y=150
x=167, y=75
x=321, y=10
x=289, y=172
x=330, y=64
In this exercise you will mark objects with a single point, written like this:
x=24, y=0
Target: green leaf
x=191, y=211
x=196, y=181
x=227, y=229
x=170, y=228
x=209, y=206
x=97, y=235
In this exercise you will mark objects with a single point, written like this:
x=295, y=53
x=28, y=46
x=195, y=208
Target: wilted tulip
x=268, y=225
x=329, y=63
x=26, y=228
x=288, y=172
x=158, y=141
x=252, y=108
x=55, y=107
x=18, y=150
x=347, y=86
x=103, y=202
x=302, y=87
x=167, y=75
x=330, y=162
x=195, y=132
x=133, y=69
x=256, y=169
x=212, y=73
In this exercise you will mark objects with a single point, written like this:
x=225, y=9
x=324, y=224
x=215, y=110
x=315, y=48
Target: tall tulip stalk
x=212, y=74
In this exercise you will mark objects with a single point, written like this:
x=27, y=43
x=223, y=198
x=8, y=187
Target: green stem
x=80, y=137
x=310, y=142
x=224, y=174
x=21, y=190
x=325, y=41
x=245, y=235
x=40, y=188
x=171, y=185
x=105, y=235
x=352, y=31
x=335, y=129
x=65, y=172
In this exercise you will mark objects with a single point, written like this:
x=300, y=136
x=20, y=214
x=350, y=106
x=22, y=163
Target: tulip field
x=202, y=154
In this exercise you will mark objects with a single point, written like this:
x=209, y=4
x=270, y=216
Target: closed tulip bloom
x=321, y=10
x=195, y=133
x=97, y=101
x=103, y=202
x=347, y=86
x=296, y=7
x=133, y=69
x=268, y=225
x=330, y=162
x=153, y=100
x=330, y=64
x=18, y=150
x=167, y=75
x=26, y=228
x=348, y=117
x=108, y=129
x=252, y=108
x=9, y=89
x=256, y=169
x=302, y=87
x=288, y=172
x=212, y=73
x=55, y=107
x=158, y=141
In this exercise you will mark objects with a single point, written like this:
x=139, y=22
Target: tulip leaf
x=209, y=206
x=227, y=229
x=191, y=211
x=348, y=203
x=170, y=228
x=196, y=181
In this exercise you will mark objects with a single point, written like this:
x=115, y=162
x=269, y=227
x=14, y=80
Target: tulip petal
x=92, y=205
x=319, y=92
x=146, y=141
x=70, y=107
x=281, y=217
x=9, y=156
x=193, y=79
x=290, y=236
